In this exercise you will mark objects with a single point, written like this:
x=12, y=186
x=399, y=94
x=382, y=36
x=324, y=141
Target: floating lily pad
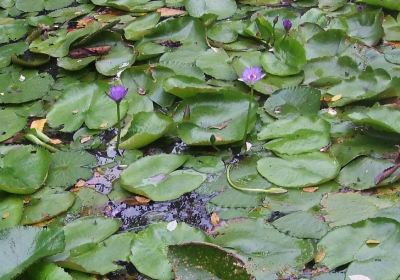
x=339, y=205
x=85, y=103
x=203, y=261
x=12, y=29
x=366, y=27
x=299, y=170
x=354, y=244
x=150, y=248
x=222, y=116
x=45, y=270
x=79, y=234
x=8, y=50
x=67, y=167
x=146, y=128
x=248, y=238
x=223, y=8
x=216, y=64
x=102, y=258
x=22, y=246
x=288, y=58
x=361, y=173
x=141, y=27
x=20, y=161
x=18, y=86
x=45, y=205
x=379, y=117
x=12, y=123
x=10, y=211
x=156, y=177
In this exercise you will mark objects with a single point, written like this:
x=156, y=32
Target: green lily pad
x=293, y=101
x=141, y=27
x=361, y=173
x=301, y=225
x=139, y=6
x=391, y=27
x=85, y=103
x=288, y=58
x=339, y=205
x=380, y=117
x=326, y=43
x=156, y=177
x=8, y=50
x=11, y=208
x=185, y=87
x=45, y=205
x=222, y=116
x=389, y=4
x=102, y=258
x=22, y=246
x=79, y=234
x=352, y=244
x=146, y=128
x=366, y=27
x=12, y=123
x=150, y=247
x=19, y=161
x=67, y=167
x=58, y=44
x=265, y=250
x=18, y=86
x=216, y=64
x=45, y=270
x=299, y=170
x=206, y=261
x=38, y=5
x=12, y=29
x=223, y=8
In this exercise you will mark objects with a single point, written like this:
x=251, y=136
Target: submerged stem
x=233, y=185
x=39, y=142
x=246, y=127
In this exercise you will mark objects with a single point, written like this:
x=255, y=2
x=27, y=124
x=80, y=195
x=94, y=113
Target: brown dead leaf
x=214, y=219
x=319, y=256
x=169, y=12
x=38, y=124
x=83, y=22
x=84, y=139
x=55, y=141
x=393, y=44
x=336, y=98
x=89, y=51
x=221, y=125
x=310, y=189
x=80, y=184
x=43, y=224
x=136, y=200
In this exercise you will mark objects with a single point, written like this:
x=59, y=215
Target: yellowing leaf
x=310, y=189
x=373, y=242
x=320, y=256
x=38, y=124
x=168, y=12
x=214, y=219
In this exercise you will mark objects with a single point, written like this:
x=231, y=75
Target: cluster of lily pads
x=284, y=113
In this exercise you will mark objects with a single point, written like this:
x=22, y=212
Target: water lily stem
x=39, y=142
x=246, y=127
x=118, y=127
x=233, y=185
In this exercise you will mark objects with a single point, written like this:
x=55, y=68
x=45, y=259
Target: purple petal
x=117, y=93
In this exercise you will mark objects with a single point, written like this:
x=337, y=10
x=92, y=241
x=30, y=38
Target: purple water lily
x=287, y=24
x=117, y=93
x=252, y=75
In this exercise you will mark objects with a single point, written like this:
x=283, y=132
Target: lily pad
x=20, y=161
x=12, y=29
x=103, y=257
x=45, y=270
x=45, y=205
x=222, y=9
x=18, y=86
x=156, y=177
x=288, y=58
x=10, y=211
x=361, y=173
x=206, y=261
x=222, y=116
x=248, y=238
x=215, y=62
x=67, y=167
x=150, y=248
x=146, y=128
x=85, y=103
x=22, y=246
x=366, y=27
x=12, y=123
x=299, y=170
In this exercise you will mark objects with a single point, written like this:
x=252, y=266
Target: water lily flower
x=287, y=24
x=251, y=75
x=117, y=93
